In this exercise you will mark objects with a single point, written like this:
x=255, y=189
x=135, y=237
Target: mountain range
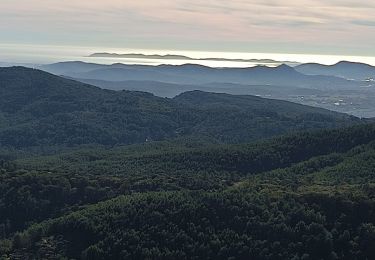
x=331, y=92
x=282, y=75
x=343, y=69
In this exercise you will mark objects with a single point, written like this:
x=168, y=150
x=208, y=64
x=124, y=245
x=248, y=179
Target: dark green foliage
x=40, y=110
x=171, y=158
x=316, y=200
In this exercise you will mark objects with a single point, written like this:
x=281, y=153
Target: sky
x=342, y=27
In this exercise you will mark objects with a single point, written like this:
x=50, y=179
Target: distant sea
x=32, y=55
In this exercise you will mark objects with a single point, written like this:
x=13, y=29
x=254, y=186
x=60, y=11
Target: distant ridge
x=177, y=57
x=282, y=75
x=343, y=69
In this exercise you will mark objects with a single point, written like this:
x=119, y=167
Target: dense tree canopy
x=71, y=186
x=295, y=197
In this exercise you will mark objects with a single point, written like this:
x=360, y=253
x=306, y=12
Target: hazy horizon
x=293, y=29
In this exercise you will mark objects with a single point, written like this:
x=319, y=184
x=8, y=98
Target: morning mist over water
x=40, y=54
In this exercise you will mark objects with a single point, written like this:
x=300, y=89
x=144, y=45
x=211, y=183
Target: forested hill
x=38, y=109
x=304, y=196
x=169, y=158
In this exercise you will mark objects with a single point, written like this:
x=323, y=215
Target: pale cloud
x=346, y=23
